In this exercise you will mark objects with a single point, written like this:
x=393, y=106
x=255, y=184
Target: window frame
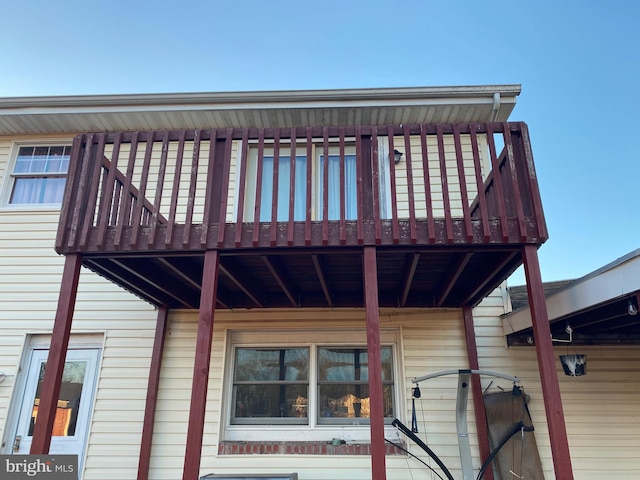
x=317, y=149
x=11, y=175
x=352, y=429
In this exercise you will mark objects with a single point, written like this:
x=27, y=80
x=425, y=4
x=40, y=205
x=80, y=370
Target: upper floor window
x=287, y=186
x=39, y=175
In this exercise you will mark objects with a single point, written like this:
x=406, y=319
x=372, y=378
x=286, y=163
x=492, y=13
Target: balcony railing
x=455, y=184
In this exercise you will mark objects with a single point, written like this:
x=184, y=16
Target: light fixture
x=632, y=309
x=574, y=365
x=397, y=155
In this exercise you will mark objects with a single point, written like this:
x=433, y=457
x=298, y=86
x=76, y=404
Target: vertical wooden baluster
x=76, y=220
x=209, y=189
x=292, y=188
x=162, y=168
x=484, y=218
x=258, y=206
x=125, y=205
x=106, y=204
x=497, y=181
x=464, y=196
x=69, y=200
x=242, y=186
x=175, y=190
x=193, y=179
x=136, y=217
x=445, y=184
x=533, y=182
x=224, y=194
x=275, y=187
x=325, y=186
x=343, y=187
x=307, y=226
x=522, y=229
x=410, y=187
x=395, y=227
x=92, y=193
x=427, y=184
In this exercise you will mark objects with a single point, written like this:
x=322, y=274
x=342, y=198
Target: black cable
x=515, y=429
x=400, y=447
x=403, y=428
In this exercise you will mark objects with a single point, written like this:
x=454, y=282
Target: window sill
x=300, y=448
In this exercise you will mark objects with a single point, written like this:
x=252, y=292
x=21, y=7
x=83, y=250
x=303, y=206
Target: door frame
x=33, y=342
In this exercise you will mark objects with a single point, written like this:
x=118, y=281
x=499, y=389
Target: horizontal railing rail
x=237, y=188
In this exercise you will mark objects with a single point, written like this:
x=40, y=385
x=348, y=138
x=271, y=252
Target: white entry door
x=74, y=402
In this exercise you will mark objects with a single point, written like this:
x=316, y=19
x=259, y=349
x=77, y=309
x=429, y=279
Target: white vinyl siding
x=601, y=408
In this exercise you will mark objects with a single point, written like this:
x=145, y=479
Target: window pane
x=259, y=365
x=349, y=364
x=350, y=401
x=271, y=401
x=281, y=197
x=68, y=400
x=37, y=190
x=350, y=192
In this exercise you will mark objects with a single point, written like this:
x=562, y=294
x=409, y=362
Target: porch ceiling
x=601, y=308
x=330, y=277
x=109, y=113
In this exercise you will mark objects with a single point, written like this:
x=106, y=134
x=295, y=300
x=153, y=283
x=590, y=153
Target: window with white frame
x=275, y=187
x=39, y=175
x=317, y=385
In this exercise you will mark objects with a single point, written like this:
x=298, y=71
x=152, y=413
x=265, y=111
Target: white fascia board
x=258, y=100
x=617, y=279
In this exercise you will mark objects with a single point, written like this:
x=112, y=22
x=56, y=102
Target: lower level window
x=280, y=386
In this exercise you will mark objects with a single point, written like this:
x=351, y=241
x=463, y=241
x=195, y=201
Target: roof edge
x=250, y=97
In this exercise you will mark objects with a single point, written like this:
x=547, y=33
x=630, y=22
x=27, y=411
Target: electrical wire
x=398, y=446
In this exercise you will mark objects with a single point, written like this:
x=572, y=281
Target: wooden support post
x=378, y=461
x=476, y=389
x=546, y=365
x=57, y=355
x=152, y=394
x=195, y=429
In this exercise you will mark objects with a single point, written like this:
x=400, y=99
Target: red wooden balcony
x=290, y=209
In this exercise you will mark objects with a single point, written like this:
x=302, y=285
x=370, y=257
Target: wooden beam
x=455, y=270
x=57, y=355
x=489, y=277
x=322, y=279
x=408, y=278
x=240, y=282
x=152, y=394
x=279, y=275
x=197, y=410
x=378, y=465
x=546, y=365
x=476, y=389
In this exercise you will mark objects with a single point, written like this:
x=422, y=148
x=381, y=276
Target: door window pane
x=68, y=401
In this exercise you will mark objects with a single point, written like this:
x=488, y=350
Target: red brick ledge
x=300, y=448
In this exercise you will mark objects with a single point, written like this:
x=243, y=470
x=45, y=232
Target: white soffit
x=617, y=279
x=63, y=114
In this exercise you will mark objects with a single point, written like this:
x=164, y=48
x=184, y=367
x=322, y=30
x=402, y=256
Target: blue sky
x=578, y=63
